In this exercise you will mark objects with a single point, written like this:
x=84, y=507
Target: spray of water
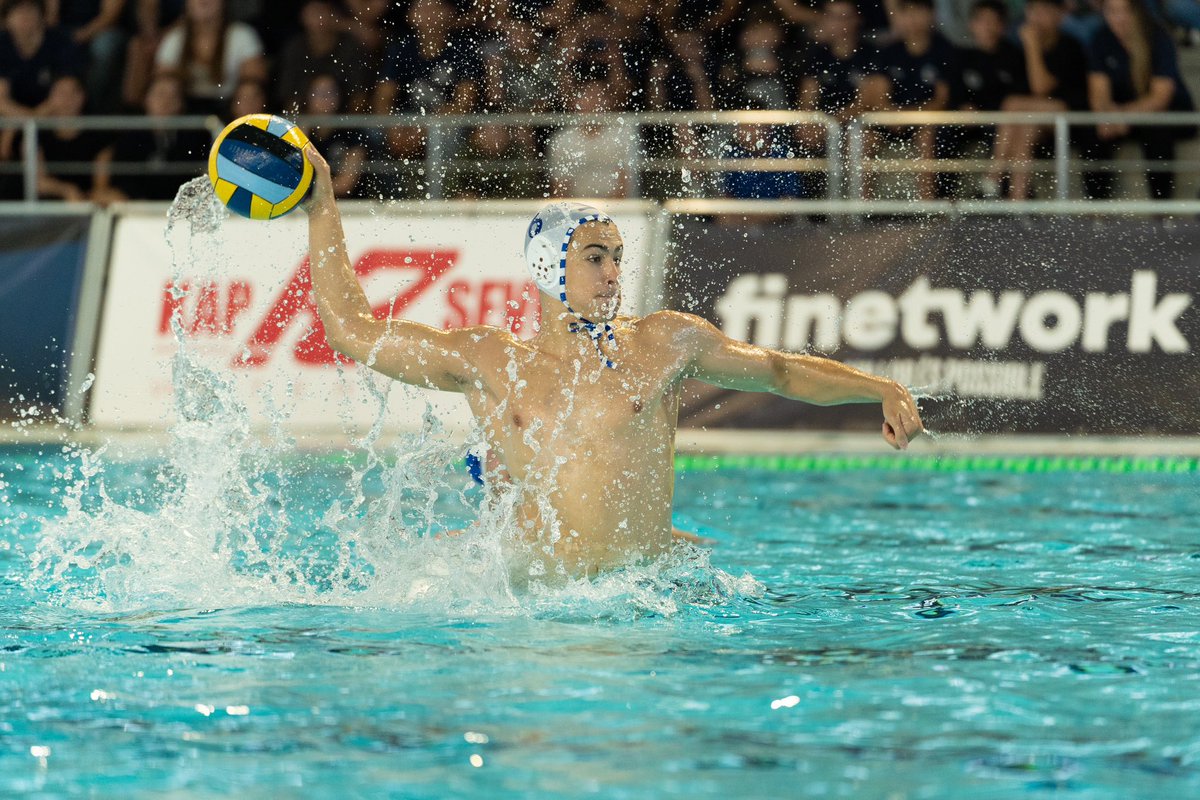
x=220, y=532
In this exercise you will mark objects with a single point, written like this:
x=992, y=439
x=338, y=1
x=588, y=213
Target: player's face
x=594, y=271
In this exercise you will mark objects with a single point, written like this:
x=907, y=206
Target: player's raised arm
x=405, y=350
x=715, y=358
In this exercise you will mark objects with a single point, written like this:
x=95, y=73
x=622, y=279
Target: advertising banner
x=241, y=299
x=1041, y=324
x=41, y=268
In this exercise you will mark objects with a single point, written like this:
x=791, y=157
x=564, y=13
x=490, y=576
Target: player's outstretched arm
x=715, y=358
x=405, y=350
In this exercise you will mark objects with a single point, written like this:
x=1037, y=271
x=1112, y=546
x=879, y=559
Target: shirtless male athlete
x=583, y=415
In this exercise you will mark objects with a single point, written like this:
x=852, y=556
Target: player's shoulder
x=672, y=324
x=481, y=339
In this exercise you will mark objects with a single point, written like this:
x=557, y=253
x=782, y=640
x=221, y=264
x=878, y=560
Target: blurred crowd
x=225, y=58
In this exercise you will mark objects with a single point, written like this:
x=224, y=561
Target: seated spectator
x=592, y=48
x=760, y=142
x=63, y=151
x=591, y=159
x=873, y=15
x=95, y=26
x=434, y=69
x=343, y=147
x=993, y=68
x=489, y=168
x=517, y=69
x=1055, y=70
x=364, y=21
x=676, y=80
x=1133, y=66
x=212, y=52
x=761, y=76
x=841, y=75
x=32, y=55
x=249, y=97
x=320, y=49
x=161, y=154
x=151, y=18
x=548, y=14
x=920, y=66
x=1181, y=14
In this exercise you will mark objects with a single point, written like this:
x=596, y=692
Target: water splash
x=221, y=525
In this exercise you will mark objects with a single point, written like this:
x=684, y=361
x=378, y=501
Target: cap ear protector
x=546, y=244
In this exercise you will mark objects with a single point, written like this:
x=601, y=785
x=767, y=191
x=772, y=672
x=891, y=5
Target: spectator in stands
x=591, y=49
x=873, y=16
x=993, y=69
x=249, y=97
x=165, y=156
x=150, y=19
x=490, y=168
x=546, y=14
x=591, y=159
x=518, y=68
x=841, y=75
x=762, y=76
x=68, y=155
x=320, y=48
x=212, y=52
x=920, y=66
x=761, y=142
x=676, y=80
x=435, y=69
x=343, y=148
x=1132, y=66
x=32, y=55
x=1183, y=15
x=94, y=25
x=364, y=21
x=1055, y=72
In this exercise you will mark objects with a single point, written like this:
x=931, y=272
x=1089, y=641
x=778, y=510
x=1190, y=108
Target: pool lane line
x=694, y=462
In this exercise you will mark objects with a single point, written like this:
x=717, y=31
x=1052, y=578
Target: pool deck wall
x=691, y=440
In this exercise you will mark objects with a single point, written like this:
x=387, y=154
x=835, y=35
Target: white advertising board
x=241, y=297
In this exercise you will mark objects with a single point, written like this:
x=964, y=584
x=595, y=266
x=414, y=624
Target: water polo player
x=583, y=415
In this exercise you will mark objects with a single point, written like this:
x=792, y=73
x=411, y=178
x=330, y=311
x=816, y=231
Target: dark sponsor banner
x=1046, y=324
x=41, y=270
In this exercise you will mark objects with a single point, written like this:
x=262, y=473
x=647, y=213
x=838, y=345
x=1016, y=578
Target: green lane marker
x=1175, y=465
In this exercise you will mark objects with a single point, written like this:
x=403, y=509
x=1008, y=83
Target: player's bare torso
x=590, y=447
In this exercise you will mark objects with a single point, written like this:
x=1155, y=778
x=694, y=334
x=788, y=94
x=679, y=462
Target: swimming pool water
x=905, y=635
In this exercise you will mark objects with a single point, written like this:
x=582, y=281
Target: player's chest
x=585, y=399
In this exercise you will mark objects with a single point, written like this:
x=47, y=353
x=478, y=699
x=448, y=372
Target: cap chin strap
x=599, y=332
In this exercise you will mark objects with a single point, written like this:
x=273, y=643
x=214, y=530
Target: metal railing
x=1060, y=124
x=844, y=162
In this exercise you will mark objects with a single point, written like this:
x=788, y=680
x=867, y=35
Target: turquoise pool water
x=854, y=632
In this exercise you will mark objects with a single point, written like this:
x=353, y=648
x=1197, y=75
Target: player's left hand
x=901, y=420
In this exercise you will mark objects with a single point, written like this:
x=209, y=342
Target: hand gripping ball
x=258, y=168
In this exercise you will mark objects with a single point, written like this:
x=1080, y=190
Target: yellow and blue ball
x=258, y=168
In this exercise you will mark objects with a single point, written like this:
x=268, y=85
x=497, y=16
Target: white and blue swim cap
x=547, y=239
x=546, y=244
